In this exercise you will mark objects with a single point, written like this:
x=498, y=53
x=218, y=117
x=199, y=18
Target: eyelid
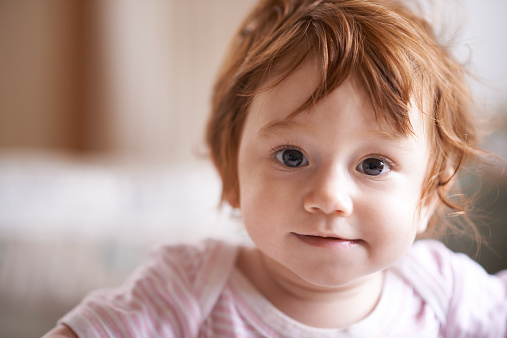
x=276, y=150
x=383, y=158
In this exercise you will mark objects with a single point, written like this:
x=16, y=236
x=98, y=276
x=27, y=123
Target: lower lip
x=327, y=242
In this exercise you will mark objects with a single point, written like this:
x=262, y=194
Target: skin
x=326, y=230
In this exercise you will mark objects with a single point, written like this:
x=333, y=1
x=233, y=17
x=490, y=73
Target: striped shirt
x=196, y=291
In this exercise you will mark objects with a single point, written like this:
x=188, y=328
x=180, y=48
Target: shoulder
x=434, y=260
x=174, y=271
x=462, y=294
x=162, y=297
x=182, y=261
x=430, y=264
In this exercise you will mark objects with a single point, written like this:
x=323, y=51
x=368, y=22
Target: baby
x=337, y=127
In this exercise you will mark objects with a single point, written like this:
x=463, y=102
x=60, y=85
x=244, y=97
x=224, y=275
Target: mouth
x=327, y=241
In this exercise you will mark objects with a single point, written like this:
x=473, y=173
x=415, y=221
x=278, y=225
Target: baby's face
x=328, y=197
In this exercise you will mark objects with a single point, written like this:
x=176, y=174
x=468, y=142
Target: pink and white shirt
x=196, y=291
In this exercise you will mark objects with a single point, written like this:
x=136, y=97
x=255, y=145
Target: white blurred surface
x=56, y=196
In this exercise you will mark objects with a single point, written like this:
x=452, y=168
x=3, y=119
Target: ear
x=431, y=204
x=447, y=178
x=427, y=210
x=232, y=198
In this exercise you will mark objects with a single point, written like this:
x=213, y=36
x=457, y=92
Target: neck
x=322, y=307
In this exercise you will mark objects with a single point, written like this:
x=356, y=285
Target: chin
x=330, y=280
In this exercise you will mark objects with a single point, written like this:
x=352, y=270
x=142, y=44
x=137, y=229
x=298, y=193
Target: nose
x=329, y=193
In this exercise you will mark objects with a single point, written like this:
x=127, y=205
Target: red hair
x=391, y=51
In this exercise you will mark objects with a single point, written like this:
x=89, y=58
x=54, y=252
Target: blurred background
x=102, y=110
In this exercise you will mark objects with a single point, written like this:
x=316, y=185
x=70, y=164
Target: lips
x=325, y=241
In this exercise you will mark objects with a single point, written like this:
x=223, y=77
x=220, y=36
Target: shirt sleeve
x=473, y=303
x=158, y=300
x=478, y=303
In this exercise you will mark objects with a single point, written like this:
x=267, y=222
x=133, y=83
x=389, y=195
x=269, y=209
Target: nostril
x=328, y=203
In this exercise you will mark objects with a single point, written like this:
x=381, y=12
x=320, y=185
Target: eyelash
x=276, y=150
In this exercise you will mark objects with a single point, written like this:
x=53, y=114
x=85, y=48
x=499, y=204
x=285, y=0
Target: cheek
x=261, y=197
x=251, y=188
x=260, y=212
x=268, y=205
x=391, y=215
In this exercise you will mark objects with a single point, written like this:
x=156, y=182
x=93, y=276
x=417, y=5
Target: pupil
x=292, y=158
x=373, y=166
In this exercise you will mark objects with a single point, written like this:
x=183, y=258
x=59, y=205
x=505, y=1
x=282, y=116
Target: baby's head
x=382, y=47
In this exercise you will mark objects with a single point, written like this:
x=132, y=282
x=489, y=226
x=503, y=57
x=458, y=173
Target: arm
x=61, y=331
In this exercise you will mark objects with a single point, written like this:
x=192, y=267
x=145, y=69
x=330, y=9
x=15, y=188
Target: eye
x=374, y=166
x=291, y=157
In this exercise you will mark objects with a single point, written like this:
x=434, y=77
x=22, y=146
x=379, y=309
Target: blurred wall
x=40, y=74
x=485, y=34
x=121, y=77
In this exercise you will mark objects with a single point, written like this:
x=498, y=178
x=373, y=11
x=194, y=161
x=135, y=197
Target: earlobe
x=427, y=210
x=446, y=178
x=423, y=221
x=431, y=204
x=232, y=198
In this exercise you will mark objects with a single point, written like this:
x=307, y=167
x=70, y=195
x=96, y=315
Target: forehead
x=282, y=100
x=276, y=107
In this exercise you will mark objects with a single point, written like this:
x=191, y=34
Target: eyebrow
x=282, y=125
x=276, y=126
